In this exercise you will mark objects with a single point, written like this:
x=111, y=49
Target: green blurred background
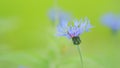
x=27, y=35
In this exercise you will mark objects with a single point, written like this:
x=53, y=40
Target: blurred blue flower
x=21, y=67
x=58, y=14
x=112, y=21
x=74, y=29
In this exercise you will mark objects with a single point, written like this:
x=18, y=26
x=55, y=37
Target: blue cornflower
x=74, y=29
x=112, y=21
x=58, y=14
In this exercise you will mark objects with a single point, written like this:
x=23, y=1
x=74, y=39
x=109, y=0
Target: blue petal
x=76, y=23
x=60, y=29
x=66, y=35
x=88, y=26
x=63, y=23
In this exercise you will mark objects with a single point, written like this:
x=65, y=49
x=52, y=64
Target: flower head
x=58, y=14
x=74, y=29
x=112, y=21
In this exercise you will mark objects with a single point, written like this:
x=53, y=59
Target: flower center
x=71, y=35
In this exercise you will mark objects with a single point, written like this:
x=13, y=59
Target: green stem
x=79, y=51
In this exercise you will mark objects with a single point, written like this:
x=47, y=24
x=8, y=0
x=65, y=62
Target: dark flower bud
x=76, y=40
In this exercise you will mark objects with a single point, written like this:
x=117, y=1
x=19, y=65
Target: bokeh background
x=27, y=35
